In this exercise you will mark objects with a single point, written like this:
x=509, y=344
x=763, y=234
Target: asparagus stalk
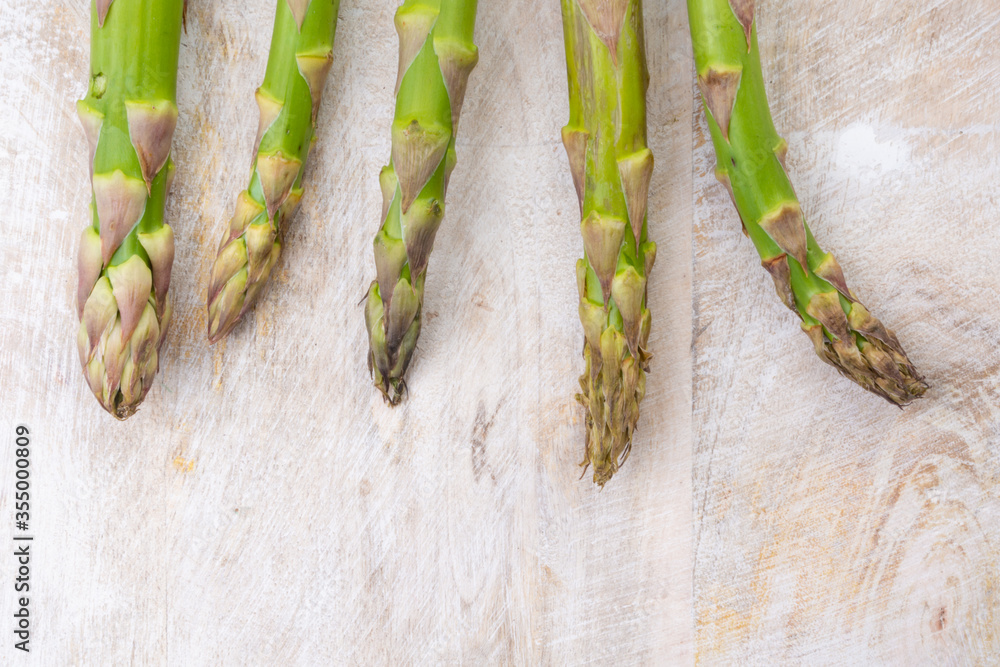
x=751, y=165
x=125, y=256
x=436, y=56
x=297, y=65
x=605, y=141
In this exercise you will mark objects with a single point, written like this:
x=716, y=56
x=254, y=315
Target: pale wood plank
x=264, y=507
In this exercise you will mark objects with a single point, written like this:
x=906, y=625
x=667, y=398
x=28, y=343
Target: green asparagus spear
x=605, y=140
x=129, y=116
x=300, y=57
x=436, y=55
x=751, y=165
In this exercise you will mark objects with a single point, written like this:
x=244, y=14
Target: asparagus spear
x=436, y=55
x=300, y=57
x=605, y=141
x=751, y=165
x=128, y=116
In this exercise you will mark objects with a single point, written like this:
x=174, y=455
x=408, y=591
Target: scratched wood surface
x=264, y=507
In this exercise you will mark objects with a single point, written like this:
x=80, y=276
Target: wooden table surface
x=264, y=507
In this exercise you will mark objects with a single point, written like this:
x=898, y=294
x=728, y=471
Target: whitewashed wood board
x=265, y=507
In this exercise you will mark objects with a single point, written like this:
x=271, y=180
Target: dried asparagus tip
x=436, y=55
x=297, y=67
x=842, y=331
x=605, y=142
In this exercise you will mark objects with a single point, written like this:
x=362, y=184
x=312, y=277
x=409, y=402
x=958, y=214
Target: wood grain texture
x=264, y=506
x=831, y=528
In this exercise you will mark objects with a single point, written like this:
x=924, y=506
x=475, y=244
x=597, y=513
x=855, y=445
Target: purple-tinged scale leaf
x=89, y=266
x=628, y=289
x=417, y=151
x=648, y=250
x=387, y=182
x=159, y=245
x=314, y=70
x=120, y=203
x=132, y=284
x=419, y=227
x=602, y=240
x=259, y=242
x=401, y=313
x=100, y=312
x=635, y=170
x=270, y=109
x=102, y=11
x=230, y=261
x=575, y=143
x=287, y=209
x=225, y=309
x=413, y=27
x=114, y=352
x=298, y=8
x=151, y=127
x=254, y=287
x=457, y=61
x=390, y=256
x=91, y=119
x=594, y=320
x=277, y=175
